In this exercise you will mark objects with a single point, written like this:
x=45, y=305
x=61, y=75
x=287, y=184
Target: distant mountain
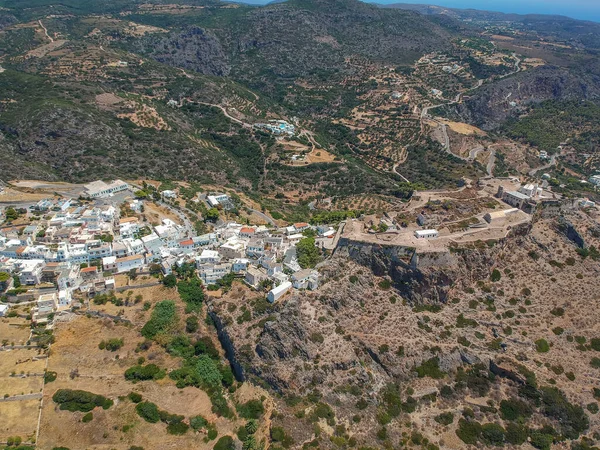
x=585, y=32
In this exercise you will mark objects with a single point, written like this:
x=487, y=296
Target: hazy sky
x=578, y=9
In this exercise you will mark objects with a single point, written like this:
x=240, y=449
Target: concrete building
x=30, y=271
x=208, y=257
x=306, y=279
x=514, y=198
x=255, y=276
x=100, y=189
x=279, y=291
x=127, y=263
x=211, y=273
x=426, y=234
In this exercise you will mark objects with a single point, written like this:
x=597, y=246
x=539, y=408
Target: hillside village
x=65, y=250
x=74, y=252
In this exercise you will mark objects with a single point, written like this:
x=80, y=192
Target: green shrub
x=191, y=324
x=595, y=344
x=252, y=409
x=431, y=369
x=514, y=409
x=542, y=346
x=177, y=428
x=112, y=345
x=87, y=417
x=572, y=418
x=595, y=363
x=148, y=372
x=162, y=320
x=135, y=397
x=148, y=411
x=541, y=440
x=492, y=434
x=76, y=400
x=198, y=423
x=225, y=443
x=385, y=284
x=323, y=411
x=49, y=376
x=279, y=435
x=191, y=293
x=445, y=418
x=495, y=276
x=515, y=434
x=468, y=431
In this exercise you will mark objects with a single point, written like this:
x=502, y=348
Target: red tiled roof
x=247, y=230
x=187, y=242
x=300, y=225
x=89, y=269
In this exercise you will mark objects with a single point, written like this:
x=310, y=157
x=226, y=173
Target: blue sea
x=577, y=9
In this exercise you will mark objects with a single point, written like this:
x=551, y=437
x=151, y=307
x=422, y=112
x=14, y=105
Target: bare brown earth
x=355, y=335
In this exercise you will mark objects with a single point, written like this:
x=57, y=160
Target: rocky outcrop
x=194, y=49
x=569, y=230
x=227, y=344
x=490, y=106
x=420, y=277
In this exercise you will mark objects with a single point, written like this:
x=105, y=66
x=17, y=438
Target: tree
x=141, y=194
x=11, y=214
x=307, y=253
x=212, y=215
x=225, y=443
x=132, y=274
x=170, y=281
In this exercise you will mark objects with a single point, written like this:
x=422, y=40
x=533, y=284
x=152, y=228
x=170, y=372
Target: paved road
x=544, y=167
x=474, y=151
x=263, y=216
x=395, y=170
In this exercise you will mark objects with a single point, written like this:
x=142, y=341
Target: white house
x=210, y=273
x=426, y=234
x=217, y=199
x=109, y=264
x=3, y=309
x=255, y=276
x=99, y=189
x=127, y=263
x=232, y=249
x=30, y=271
x=240, y=265
x=595, y=179
x=279, y=291
x=255, y=248
x=208, y=257
x=247, y=232
x=306, y=279
x=168, y=194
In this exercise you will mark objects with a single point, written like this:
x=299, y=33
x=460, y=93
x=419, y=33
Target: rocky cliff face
x=193, y=49
x=490, y=106
x=386, y=325
x=420, y=277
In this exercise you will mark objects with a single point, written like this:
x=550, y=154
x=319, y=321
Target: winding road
x=544, y=167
